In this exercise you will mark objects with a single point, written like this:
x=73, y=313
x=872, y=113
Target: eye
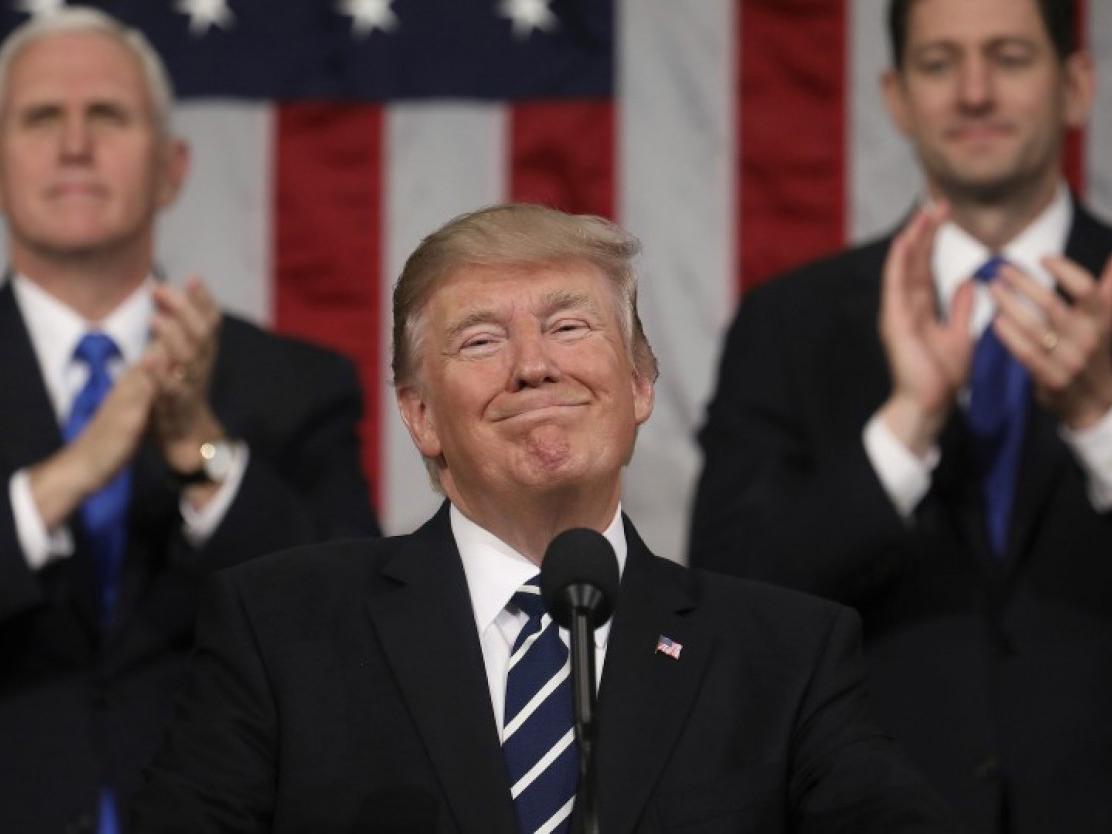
x=570, y=328
x=479, y=344
x=109, y=114
x=39, y=116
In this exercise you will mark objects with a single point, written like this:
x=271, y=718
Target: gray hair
x=87, y=20
x=517, y=234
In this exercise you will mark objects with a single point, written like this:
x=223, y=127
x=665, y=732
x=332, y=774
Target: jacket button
x=80, y=825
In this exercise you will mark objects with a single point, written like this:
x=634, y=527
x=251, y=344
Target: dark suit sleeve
x=846, y=774
x=19, y=589
x=303, y=482
x=787, y=494
x=216, y=770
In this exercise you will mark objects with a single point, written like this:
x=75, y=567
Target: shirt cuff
x=1093, y=449
x=40, y=546
x=905, y=477
x=199, y=525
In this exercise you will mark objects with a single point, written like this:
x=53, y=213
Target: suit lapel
x=31, y=430
x=426, y=626
x=645, y=695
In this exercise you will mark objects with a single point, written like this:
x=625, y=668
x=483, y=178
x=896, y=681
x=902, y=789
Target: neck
x=997, y=220
x=528, y=521
x=93, y=285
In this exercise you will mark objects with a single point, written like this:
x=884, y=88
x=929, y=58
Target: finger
x=170, y=332
x=1077, y=282
x=202, y=299
x=182, y=307
x=1029, y=292
x=1029, y=352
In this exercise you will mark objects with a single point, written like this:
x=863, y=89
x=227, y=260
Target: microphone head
x=579, y=571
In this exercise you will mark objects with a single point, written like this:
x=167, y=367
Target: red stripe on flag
x=1074, y=156
x=562, y=155
x=327, y=229
x=792, y=134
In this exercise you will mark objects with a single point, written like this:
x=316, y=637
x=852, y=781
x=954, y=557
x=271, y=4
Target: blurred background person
x=148, y=440
x=950, y=472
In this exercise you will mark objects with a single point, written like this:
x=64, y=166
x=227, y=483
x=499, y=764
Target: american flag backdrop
x=734, y=137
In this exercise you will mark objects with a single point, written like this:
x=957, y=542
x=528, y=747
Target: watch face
x=216, y=459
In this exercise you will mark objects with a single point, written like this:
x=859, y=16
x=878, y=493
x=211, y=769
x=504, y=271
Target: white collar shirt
x=494, y=571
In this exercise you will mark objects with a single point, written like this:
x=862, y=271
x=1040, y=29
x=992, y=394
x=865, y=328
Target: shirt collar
x=494, y=570
x=957, y=254
x=55, y=329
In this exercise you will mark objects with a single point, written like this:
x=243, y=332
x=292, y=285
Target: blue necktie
x=105, y=511
x=999, y=393
x=538, y=736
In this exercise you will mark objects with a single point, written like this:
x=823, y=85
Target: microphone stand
x=583, y=697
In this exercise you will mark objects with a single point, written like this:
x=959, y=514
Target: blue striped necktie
x=999, y=393
x=538, y=736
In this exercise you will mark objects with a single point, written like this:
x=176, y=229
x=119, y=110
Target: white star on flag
x=528, y=15
x=204, y=14
x=368, y=15
x=40, y=8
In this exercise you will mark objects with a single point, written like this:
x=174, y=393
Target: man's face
x=84, y=167
x=525, y=383
x=984, y=96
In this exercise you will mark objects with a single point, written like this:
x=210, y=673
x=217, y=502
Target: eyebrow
x=553, y=302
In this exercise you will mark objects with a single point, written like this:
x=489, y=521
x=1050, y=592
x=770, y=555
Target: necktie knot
x=528, y=598
x=988, y=271
x=95, y=350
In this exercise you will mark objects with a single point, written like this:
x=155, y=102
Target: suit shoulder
x=305, y=584
x=836, y=274
x=732, y=602
x=242, y=342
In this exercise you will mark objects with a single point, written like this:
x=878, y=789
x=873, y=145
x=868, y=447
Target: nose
x=76, y=139
x=975, y=86
x=533, y=362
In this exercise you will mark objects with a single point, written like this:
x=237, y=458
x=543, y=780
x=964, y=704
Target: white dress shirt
x=55, y=330
x=905, y=477
x=494, y=572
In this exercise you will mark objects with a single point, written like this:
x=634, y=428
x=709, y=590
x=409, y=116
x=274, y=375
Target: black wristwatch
x=214, y=464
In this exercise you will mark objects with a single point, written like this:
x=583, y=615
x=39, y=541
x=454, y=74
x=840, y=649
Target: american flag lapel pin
x=668, y=646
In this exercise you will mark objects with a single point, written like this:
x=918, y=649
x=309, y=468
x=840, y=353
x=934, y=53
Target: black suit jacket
x=995, y=676
x=80, y=708
x=342, y=689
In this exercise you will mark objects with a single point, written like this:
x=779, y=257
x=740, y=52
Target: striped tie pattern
x=538, y=737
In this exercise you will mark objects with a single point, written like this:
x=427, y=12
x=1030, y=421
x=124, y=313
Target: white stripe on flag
x=883, y=177
x=220, y=227
x=1098, y=143
x=441, y=160
x=534, y=702
x=676, y=151
x=545, y=760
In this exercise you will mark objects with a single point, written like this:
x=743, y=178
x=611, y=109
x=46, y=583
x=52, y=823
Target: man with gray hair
x=416, y=683
x=148, y=440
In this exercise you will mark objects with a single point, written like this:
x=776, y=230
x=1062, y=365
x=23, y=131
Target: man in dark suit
x=147, y=440
x=378, y=685
x=950, y=476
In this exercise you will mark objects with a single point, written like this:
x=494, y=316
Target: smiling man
x=147, y=439
x=949, y=473
x=384, y=685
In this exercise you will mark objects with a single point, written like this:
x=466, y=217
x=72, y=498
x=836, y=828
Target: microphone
x=579, y=584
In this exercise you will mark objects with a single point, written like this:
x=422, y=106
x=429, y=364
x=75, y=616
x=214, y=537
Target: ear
x=418, y=420
x=1080, y=87
x=644, y=394
x=174, y=165
x=893, y=88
